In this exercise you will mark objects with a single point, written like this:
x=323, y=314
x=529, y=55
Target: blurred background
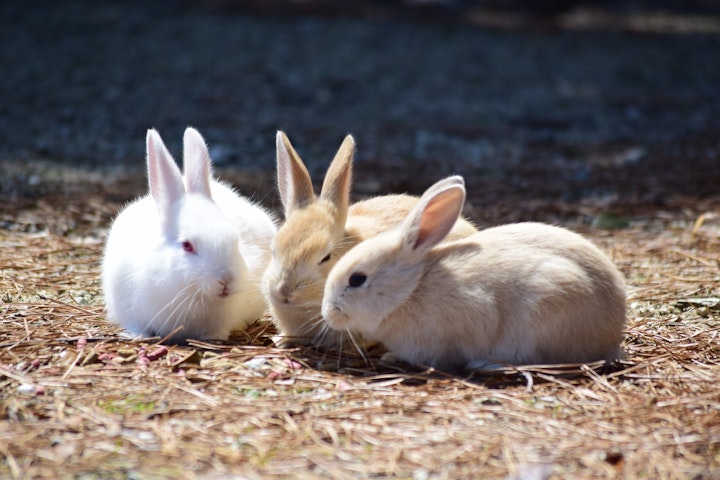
x=574, y=102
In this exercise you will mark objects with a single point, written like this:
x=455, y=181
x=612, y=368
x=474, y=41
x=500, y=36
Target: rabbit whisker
x=341, y=341
x=322, y=331
x=312, y=323
x=309, y=308
x=358, y=347
x=167, y=305
x=183, y=307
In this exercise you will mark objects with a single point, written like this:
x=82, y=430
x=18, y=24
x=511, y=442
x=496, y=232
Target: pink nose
x=224, y=286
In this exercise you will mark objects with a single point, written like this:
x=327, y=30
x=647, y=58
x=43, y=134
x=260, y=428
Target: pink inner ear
x=336, y=186
x=196, y=160
x=164, y=178
x=439, y=216
x=294, y=183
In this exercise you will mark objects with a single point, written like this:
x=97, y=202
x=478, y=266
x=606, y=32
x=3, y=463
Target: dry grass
x=79, y=400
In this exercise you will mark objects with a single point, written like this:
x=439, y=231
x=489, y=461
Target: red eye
x=188, y=246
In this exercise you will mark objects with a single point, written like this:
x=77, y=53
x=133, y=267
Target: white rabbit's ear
x=164, y=178
x=294, y=183
x=435, y=214
x=336, y=186
x=196, y=163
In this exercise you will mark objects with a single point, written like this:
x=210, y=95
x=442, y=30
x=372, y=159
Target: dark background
x=609, y=102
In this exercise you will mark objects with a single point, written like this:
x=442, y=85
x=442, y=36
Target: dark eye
x=357, y=279
x=188, y=246
x=325, y=258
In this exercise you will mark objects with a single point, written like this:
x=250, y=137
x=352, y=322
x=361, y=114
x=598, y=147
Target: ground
x=611, y=132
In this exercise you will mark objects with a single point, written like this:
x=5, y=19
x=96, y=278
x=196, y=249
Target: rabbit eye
x=188, y=246
x=357, y=279
x=325, y=258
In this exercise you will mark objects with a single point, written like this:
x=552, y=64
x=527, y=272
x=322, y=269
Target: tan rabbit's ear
x=435, y=214
x=196, y=163
x=164, y=178
x=336, y=186
x=294, y=183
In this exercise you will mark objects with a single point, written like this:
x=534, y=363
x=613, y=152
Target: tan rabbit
x=524, y=293
x=316, y=233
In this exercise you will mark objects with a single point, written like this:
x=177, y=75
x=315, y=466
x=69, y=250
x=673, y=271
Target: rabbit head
x=378, y=276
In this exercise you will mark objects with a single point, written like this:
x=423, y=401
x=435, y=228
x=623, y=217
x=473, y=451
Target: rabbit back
x=526, y=293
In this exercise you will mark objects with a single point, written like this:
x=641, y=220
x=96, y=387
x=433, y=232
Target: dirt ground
x=604, y=121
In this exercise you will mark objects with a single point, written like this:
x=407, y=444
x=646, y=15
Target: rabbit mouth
x=226, y=292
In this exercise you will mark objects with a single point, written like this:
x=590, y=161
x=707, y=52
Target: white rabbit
x=524, y=293
x=316, y=233
x=190, y=254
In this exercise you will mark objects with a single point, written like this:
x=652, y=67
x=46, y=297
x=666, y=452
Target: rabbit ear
x=196, y=163
x=294, y=183
x=435, y=214
x=336, y=186
x=164, y=178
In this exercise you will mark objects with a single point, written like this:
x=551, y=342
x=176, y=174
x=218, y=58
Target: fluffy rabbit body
x=316, y=233
x=523, y=293
x=190, y=254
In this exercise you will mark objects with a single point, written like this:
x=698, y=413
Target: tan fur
x=519, y=294
x=316, y=227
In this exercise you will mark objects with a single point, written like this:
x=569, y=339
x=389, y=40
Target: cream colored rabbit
x=316, y=233
x=524, y=293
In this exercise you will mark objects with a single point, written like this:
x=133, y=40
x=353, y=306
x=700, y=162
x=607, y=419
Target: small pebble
x=26, y=389
x=106, y=356
x=344, y=386
x=255, y=363
x=157, y=353
x=292, y=364
x=276, y=375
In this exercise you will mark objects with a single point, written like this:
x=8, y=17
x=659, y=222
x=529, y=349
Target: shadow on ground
x=569, y=104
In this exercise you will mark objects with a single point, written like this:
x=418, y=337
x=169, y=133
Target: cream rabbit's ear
x=294, y=183
x=164, y=178
x=336, y=186
x=196, y=163
x=434, y=215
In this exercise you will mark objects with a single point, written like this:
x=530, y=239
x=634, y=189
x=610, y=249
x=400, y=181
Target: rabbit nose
x=284, y=291
x=225, y=282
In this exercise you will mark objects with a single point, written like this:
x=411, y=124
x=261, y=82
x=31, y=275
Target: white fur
x=524, y=293
x=152, y=285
